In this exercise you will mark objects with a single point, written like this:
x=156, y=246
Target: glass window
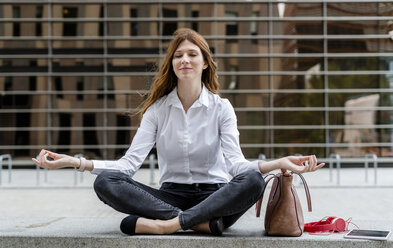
x=77, y=65
x=131, y=83
x=367, y=27
x=21, y=28
x=132, y=65
x=15, y=47
x=65, y=95
x=203, y=27
x=64, y=135
x=299, y=136
x=357, y=45
x=350, y=117
x=305, y=148
x=195, y=15
x=17, y=92
x=298, y=100
x=70, y=28
x=243, y=9
x=38, y=15
x=296, y=9
x=252, y=118
x=235, y=27
x=16, y=25
x=239, y=46
x=356, y=81
x=254, y=25
x=247, y=100
x=169, y=27
x=253, y=136
x=297, y=27
x=133, y=24
x=90, y=136
x=360, y=9
x=187, y=10
x=298, y=64
x=296, y=118
x=297, y=46
x=9, y=120
x=24, y=65
x=354, y=100
x=361, y=141
x=385, y=9
x=231, y=27
x=307, y=81
x=357, y=64
x=243, y=64
x=127, y=102
x=18, y=138
x=122, y=136
x=126, y=28
x=255, y=152
x=76, y=10
x=143, y=10
x=77, y=47
x=244, y=82
x=150, y=47
x=260, y=69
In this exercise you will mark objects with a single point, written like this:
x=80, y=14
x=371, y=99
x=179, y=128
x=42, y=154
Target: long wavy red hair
x=165, y=80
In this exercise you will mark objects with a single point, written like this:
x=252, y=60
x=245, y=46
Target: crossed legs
x=161, y=212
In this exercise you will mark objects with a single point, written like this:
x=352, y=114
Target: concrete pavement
x=58, y=214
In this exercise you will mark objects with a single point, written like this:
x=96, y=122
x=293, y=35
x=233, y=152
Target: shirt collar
x=204, y=97
x=173, y=98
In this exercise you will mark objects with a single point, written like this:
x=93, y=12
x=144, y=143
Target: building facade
x=304, y=77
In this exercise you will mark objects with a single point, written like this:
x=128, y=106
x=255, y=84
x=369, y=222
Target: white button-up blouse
x=200, y=146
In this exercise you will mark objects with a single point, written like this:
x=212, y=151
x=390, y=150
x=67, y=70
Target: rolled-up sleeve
x=230, y=145
x=141, y=145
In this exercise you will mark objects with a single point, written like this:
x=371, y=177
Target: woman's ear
x=205, y=66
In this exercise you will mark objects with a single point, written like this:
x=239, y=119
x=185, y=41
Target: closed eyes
x=191, y=55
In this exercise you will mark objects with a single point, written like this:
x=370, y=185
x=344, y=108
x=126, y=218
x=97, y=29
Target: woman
x=197, y=140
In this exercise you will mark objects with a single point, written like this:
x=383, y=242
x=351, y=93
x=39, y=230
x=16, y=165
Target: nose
x=185, y=59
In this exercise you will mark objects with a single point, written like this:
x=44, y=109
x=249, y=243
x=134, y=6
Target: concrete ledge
x=190, y=241
x=76, y=232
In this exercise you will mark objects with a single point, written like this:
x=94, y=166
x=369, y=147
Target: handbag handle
x=259, y=202
x=308, y=196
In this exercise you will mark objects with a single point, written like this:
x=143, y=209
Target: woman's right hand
x=59, y=160
x=299, y=164
x=296, y=164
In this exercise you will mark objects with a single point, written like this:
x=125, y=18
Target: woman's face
x=188, y=62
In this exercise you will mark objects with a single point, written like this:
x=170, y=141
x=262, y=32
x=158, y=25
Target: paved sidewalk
x=57, y=214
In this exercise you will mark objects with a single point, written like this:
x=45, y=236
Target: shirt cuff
x=99, y=166
x=254, y=165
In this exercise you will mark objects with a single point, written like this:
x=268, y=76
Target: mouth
x=185, y=68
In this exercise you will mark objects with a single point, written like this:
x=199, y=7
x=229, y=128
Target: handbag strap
x=259, y=202
x=308, y=196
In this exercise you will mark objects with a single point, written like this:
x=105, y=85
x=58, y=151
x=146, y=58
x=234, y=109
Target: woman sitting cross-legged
x=206, y=183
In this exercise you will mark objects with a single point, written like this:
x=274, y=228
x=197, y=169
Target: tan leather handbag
x=284, y=215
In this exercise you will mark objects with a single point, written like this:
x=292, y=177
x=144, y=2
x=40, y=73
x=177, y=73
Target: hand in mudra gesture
x=57, y=161
x=300, y=164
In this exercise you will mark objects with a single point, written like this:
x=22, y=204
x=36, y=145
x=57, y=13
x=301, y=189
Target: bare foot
x=148, y=226
x=203, y=227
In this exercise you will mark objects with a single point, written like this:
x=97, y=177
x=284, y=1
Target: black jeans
x=194, y=204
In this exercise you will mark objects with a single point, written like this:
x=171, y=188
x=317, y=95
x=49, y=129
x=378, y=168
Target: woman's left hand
x=299, y=164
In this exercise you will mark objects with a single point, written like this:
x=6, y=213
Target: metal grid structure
x=278, y=64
